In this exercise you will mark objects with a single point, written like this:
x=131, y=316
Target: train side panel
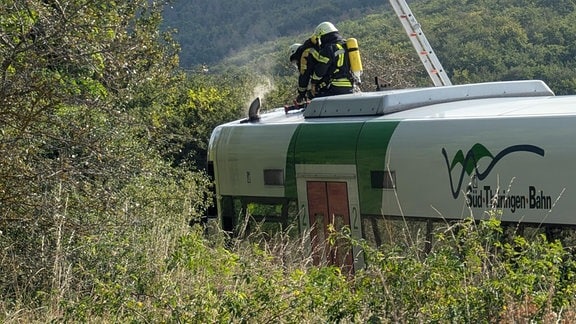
x=455, y=168
x=446, y=159
x=250, y=159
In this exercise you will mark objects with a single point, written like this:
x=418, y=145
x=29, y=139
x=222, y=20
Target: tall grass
x=163, y=271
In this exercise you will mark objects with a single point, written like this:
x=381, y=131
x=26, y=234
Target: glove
x=301, y=97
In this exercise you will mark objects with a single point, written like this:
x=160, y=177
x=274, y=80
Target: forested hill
x=476, y=41
x=211, y=30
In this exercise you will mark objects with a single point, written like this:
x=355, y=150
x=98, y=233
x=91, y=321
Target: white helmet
x=324, y=28
x=293, y=49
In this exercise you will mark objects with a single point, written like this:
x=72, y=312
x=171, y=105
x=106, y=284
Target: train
x=430, y=154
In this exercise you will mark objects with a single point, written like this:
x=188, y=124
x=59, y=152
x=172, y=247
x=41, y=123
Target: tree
x=78, y=79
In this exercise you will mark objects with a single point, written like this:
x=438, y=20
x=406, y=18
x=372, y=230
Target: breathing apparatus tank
x=354, y=56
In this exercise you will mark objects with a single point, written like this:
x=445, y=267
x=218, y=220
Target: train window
x=383, y=179
x=274, y=177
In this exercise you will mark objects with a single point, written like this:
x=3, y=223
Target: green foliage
x=474, y=273
x=179, y=120
x=73, y=156
x=251, y=284
x=495, y=40
x=103, y=141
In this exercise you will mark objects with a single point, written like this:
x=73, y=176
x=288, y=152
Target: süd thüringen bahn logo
x=469, y=162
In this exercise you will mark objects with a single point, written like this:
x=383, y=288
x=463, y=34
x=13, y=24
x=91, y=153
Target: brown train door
x=328, y=207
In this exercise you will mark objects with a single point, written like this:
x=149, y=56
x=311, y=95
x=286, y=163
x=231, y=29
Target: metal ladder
x=420, y=43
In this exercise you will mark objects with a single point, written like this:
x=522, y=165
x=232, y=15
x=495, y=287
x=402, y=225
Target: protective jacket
x=331, y=67
x=305, y=65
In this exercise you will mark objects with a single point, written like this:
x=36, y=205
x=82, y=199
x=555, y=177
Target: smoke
x=263, y=87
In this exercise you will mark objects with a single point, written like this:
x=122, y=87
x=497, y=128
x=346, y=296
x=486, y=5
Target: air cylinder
x=354, y=56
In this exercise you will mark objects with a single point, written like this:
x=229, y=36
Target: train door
x=328, y=201
x=328, y=211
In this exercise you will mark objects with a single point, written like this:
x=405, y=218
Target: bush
x=473, y=273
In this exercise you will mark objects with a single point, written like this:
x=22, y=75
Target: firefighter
x=299, y=54
x=331, y=74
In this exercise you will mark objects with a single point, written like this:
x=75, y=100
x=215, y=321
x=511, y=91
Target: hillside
x=475, y=41
x=211, y=30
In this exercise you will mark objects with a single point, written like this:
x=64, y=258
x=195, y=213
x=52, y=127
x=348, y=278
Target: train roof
x=480, y=100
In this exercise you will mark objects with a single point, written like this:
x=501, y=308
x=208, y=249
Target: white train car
x=429, y=154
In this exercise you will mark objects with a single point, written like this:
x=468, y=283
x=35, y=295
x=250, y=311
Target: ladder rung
x=420, y=43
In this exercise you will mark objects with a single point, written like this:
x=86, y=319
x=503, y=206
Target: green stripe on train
x=353, y=143
x=320, y=143
x=371, y=156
